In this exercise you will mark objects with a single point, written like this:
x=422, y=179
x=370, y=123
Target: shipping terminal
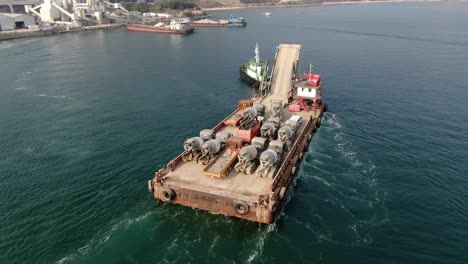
x=244, y=166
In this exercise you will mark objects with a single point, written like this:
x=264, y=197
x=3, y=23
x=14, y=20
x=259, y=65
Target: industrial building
x=15, y=21
x=16, y=6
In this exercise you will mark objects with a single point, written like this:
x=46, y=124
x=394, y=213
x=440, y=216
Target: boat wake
x=21, y=88
x=21, y=47
x=51, y=96
x=335, y=200
x=368, y=34
x=259, y=244
x=338, y=187
x=101, y=238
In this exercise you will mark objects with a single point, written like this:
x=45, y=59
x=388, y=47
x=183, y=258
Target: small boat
x=176, y=26
x=267, y=14
x=253, y=71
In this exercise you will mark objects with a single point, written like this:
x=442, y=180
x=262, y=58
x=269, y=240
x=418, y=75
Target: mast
x=311, y=68
x=257, y=53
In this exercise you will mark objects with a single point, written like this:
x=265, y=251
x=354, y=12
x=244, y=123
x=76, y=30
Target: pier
x=28, y=33
x=284, y=71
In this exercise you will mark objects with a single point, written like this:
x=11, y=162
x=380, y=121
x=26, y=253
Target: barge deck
x=239, y=194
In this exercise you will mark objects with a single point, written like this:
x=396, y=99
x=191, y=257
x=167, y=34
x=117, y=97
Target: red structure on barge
x=244, y=166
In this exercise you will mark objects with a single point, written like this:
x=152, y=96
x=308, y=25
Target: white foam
x=354, y=187
x=261, y=243
x=101, y=238
x=51, y=96
x=322, y=180
x=215, y=241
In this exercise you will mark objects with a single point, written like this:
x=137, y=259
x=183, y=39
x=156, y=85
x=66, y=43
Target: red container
x=314, y=82
x=233, y=120
x=312, y=76
x=294, y=108
x=248, y=134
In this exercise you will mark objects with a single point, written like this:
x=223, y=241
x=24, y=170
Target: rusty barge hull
x=249, y=197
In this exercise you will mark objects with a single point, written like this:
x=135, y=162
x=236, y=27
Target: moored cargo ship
x=174, y=27
x=244, y=166
x=231, y=22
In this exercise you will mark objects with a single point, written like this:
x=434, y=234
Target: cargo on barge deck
x=254, y=196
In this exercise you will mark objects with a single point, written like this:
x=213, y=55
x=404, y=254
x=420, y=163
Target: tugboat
x=253, y=71
x=178, y=26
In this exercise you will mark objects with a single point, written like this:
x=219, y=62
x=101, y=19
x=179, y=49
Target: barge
x=174, y=27
x=231, y=22
x=244, y=166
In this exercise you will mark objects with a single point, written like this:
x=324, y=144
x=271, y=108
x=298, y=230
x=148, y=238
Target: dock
x=29, y=33
x=284, y=71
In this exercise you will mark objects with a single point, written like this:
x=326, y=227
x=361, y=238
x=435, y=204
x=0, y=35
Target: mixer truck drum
x=251, y=112
x=286, y=130
x=241, y=208
x=269, y=155
x=194, y=143
x=268, y=127
x=213, y=145
x=249, y=152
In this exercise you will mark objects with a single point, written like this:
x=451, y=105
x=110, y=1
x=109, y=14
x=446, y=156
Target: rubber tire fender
x=241, y=208
x=150, y=186
x=168, y=194
x=282, y=193
x=273, y=206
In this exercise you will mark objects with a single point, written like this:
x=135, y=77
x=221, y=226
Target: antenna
x=257, y=53
x=311, y=68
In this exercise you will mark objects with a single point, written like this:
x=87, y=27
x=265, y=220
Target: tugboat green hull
x=255, y=70
x=246, y=78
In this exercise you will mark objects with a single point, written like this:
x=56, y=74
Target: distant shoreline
x=326, y=3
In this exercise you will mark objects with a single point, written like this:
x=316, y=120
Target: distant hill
x=235, y=3
x=161, y=5
x=247, y=3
